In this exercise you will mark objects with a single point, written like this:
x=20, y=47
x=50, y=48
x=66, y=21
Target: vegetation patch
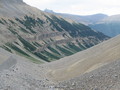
x=74, y=47
x=38, y=54
x=68, y=48
x=64, y=51
x=37, y=44
x=23, y=30
x=21, y=52
x=12, y=30
x=51, y=56
x=40, y=22
x=53, y=50
x=4, y=20
x=16, y=49
x=1, y=22
x=28, y=23
x=6, y=48
x=27, y=45
x=12, y=22
x=54, y=24
x=81, y=46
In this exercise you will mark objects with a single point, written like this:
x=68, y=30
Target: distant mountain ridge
x=109, y=25
x=87, y=19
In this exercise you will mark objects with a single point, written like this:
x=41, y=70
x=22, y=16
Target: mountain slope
x=109, y=25
x=86, y=61
x=42, y=37
x=104, y=78
x=18, y=73
x=87, y=69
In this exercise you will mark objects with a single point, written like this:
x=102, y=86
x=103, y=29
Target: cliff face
x=40, y=36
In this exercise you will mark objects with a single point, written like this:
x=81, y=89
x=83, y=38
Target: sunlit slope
x=86, y=61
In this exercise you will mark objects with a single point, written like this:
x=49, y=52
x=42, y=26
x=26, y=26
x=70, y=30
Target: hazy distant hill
x=88, y=19
x=109, y=26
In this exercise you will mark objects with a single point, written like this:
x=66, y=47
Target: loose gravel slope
x=97, y=68
x=86, y=61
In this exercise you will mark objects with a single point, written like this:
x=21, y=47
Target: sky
x=78, y=7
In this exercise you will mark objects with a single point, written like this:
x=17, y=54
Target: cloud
x=81, y=7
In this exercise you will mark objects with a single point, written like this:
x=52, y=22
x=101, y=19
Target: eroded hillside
x=87, y=69
x=40, y=36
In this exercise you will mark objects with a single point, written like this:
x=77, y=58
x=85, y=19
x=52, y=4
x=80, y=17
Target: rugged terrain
x=29, y=37
x=86, y=70
x=42, y=37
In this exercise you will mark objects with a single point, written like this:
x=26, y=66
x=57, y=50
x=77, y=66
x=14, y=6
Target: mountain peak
x=49, y=11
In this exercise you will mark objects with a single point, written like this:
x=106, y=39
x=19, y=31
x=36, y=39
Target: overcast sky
x=79, y=7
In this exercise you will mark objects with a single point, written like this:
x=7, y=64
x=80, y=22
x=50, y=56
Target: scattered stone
x=73, y=84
